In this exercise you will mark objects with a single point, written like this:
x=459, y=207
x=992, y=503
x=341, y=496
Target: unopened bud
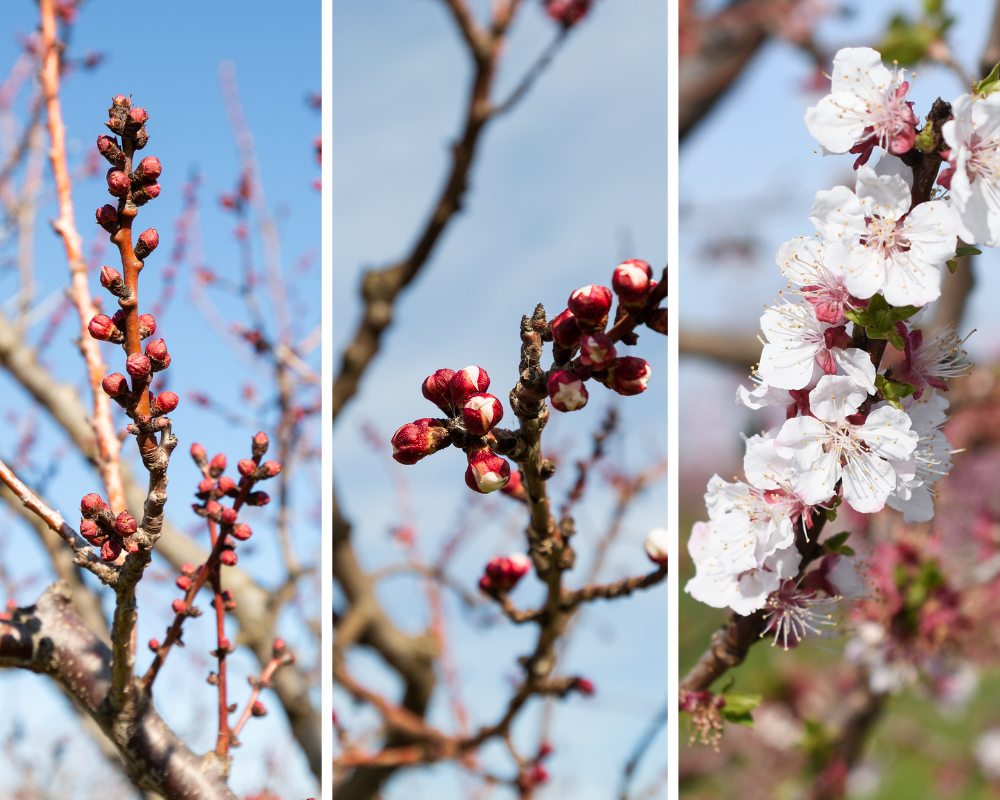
x=213, y=679
x=218, y=464
x=178, y=606
x=110, y=550
x=149, y=169
x=205, y=486
x=590, y=305
x=628, y=376
x=246, y=467
x=631, y=280
x=486, y=472
x=107, y=218
x=257, y=709
x=656, y=545
x=156, y=352
x=226, y=485
x=89, y=530
x=566, y=391
x=583, y=686
x=108, y=147
x=147, y=242
x=566, y=331
x=505, y=572
x=118, y=182
x=260, y=443
x=198, y=454
x=111, y=280
x=166, y=402
x=188, y=569
x=241, y=532
x=597, y=351
x=229, y=515
x=141, y=138
x=183, y=582
x=436, y=389
x=258, y=499
x=279, y=648
x=213, y=508
x=269, y=469
x=515, y=487
x=138, y=366
x=467, y=382
x=137, y=117
x=125, y=525
x=481, y=413
x=145, y=193
x=147, y=326
x=228, y=557
x=419, y=439
x=102, y=328
x=115, y=384
x=154, y=645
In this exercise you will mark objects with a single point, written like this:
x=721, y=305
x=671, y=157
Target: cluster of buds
x=132, y=184
x=503, y=573
x=581, y=329
x=102, y=528
x=472, y=412
x=532, y=774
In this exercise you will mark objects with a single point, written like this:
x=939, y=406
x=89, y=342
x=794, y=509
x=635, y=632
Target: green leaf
x=877, y=305
x=897, y=341
x=835, y=542
x=846, y=551
x=894, y=391
x=831, y=514
x=989, y=84
x=907, y=42
x=952, y=265
x=738, y=707
x=933, y=7
x=965, y=250
x=859, y=317
x=899, y=313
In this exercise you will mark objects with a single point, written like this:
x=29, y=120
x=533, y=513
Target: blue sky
x=565, y=187
x=167, y=57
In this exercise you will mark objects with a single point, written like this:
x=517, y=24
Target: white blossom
x=931, y=461
x=973, y=134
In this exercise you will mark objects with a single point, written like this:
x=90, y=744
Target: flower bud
x=566, y=330
x=566, y=391
x=183, y=582
x=145, y=193
x=467, y=382
x=246, y=467
x=118, y=318
x=257, y=709
x=258, y=499
x=156, y=352
x=149, y=169
x=115, y=384
x=147, y=242
x=658, y=321
x=436, y=389
x=229, y=516
x=107, y=218
x=486, y=472
x=166, y=402
x=278, y=649
x=218, y=464
x=198, y=454
x=188, y=568
x=110, y=550
x=111, y=280
x=260, y=443
x=597, y=351
x=102, y=328
x=631, y=280
x=590, y=305
x=154, y=645
x=228, y=557
x=514, y=487
x=108, y=147
x=88, y=530
x=485, y=584
x=505, y=572
x=241, y=532
x=138, y=366
x=92, y=505
x=137, y=118
x=656, y=545
x=226, y=485
x=147, y=326
x=628, y=376
x=141, y=138
x=213, y=508
x=206, y=486
x=118, y=182
x=481, y=413
x=178, y=606
x=125, y=525
x=415, y=440
x=227, y=600
x=583, y=686
x=269, y=469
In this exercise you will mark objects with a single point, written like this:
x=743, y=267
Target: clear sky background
x=748, y=176
x=569, y=184
x=167, y=57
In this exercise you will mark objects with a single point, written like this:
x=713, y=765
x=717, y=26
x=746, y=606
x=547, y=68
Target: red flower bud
x=246, y=467
x=205, y=486
x=154, y=644
x=166, y=402
x=415, y=440
x=467, y=382
x=597, y=351
x=486, y=472
x=226, y=485
x=107, y=218
x=505, y=572
x=514, y=487
x=485, y=584
x=118, y=182
x=92, y=505
x=137, y=116
x=260, y=443
x=188, y=569
x=110, y=550
x=590, y=305
x=228, y=557
x=88, y=530
x=257, y=709
x=545, y=750
x=108, y=147
x=156, y=350
x=658, y=321
x=566, y=391
x=566, y=330
x=583, y=686
x=225, y=645
x=436, y=389
x=241, y=532
x=213, y=508
x=115, y=384
x=183, y=582
x=258, y=499
x=178, y=606
x=102, y=328
x=628, y=376
x=148, y=240
x=218, y=462
x=147, y=326
x=142, y=195
x=149, y=169
x=125, y=525
x=269, y=469
x=198, y=454
x=229, y=515
x=138, y=366
x=631, y=280
x=481, y=413
x=111, y=279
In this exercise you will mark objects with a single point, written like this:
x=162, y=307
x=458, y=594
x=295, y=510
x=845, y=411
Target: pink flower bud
x=205, y=486
x=260, y=443
x=228, y=557
x=566, y=391
x=213, y=508
x=631, y=280
x=415, y=440
x=658, y=321
x=125, y=525
x=110, y=550
x=137, y=116
x=514, y=487
x=156, y=352
x=583, y=686
x=226, y=485
x=88, y=530
x=107, y=218
x=154, y=645
x=628, y=376
x=481, y=413
x=118, y=318
x=198, y=454
x=115, y=384
x=597, y=351
x=149, y=169
x=257, y=709
x=218, y=462
x=102, y=328
x=258, y=499
x=279, y=648
x=118, y=182
x=183, y=582
x=108, y=147
x=656, y=545
x=178, y=606
x=145, y=193
x=188, y=568
x=467, y=382
x=148, y=240
x=166, y=402
x=269, y=469
x=138, y=366
x=436, y=389
x=230, y=515
x=147, y=326
x=486, y=472
x=111, y=279
x=246, y=467
x=566, y=330
x=241, y=532
x=225, y=645
x=590, y=305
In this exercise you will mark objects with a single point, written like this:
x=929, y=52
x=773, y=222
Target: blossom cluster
x=856, y=431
